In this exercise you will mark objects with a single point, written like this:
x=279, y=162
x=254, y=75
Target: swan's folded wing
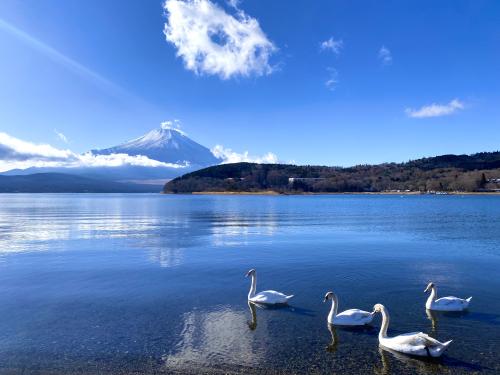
x=268, y=296
x=448, y=301
x=272, y=293
x=357, y=314
x=415, y=339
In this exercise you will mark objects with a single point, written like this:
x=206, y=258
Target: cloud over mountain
x=166, y=149
x=16, y=153
x=230, y=156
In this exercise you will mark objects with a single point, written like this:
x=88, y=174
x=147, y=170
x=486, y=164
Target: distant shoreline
x=326, y=193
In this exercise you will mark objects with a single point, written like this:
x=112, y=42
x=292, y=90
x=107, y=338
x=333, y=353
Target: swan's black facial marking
x=251, y=272
x=429, y=287
x=327, y=296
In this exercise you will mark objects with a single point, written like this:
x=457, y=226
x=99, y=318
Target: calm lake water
x=155, y=284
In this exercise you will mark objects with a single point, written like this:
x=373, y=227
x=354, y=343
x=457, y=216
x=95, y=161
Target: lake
x=122, y=284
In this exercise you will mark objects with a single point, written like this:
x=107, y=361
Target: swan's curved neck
x=334, y=308
x=253, y=286
x=432, y=297
x=385, y=324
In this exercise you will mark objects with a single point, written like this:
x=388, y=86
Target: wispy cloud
x=385, y=55
x=331, y=82
x=435, y=110
x=68, y=63
x=173, y=124
x=234, y=3
x=61, y=136
x=230, y=156
x=333, y=45
x=211, y=41
x=16, y=153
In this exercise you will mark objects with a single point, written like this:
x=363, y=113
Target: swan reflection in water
x=433, y=317
x=348, y=330
x=392, y=360
x=252, y=324
x=332, y=346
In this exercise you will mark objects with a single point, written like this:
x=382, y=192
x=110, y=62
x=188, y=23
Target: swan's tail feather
x=445, y=345
x=439, y=350
x=290, y=296
x=468, y=299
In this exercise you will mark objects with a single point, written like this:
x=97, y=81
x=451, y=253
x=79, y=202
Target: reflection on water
x=252, y=324
x=332, y=346
x=153, y=284
x=233, y=229
x=213, y=339
x=390, y=359
x=433, y=317
x=166, y=257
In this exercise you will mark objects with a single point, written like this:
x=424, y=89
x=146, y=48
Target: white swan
x=352, y=317
x=267, y=297
x=415, y=343
x=444, y=303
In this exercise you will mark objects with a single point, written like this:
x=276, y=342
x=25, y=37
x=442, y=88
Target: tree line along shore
x=477, y=173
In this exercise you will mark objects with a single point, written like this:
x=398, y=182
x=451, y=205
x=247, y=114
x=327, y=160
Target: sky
x=310, y=82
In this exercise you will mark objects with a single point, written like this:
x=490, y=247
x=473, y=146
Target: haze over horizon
x=303, y=82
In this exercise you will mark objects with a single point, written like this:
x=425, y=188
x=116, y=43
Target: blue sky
x=394, y=80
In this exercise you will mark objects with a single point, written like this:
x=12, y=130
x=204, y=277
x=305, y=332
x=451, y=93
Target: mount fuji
x=176, y=153
x=168, y=145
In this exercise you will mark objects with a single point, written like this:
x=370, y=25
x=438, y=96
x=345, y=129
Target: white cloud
x=435, y=110
x=61, y=136
x=331, y=82
x=116, y=160
x=211, y=41
x=331, y=44
x=13, y=149
x=173, y=124
x=230, y=156
x=16, y=153
x=234, y=3
x=385, y=55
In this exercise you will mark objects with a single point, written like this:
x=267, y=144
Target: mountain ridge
x=67, y=183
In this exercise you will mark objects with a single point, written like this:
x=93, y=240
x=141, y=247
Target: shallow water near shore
x=137, y=283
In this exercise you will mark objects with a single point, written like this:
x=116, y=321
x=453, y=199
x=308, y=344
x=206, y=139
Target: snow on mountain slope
x=168, y=145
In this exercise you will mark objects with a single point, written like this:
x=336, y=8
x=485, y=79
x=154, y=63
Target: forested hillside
x=447, y=173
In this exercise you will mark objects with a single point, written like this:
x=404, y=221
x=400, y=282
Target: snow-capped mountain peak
x=155, y=138
x=166, y=144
